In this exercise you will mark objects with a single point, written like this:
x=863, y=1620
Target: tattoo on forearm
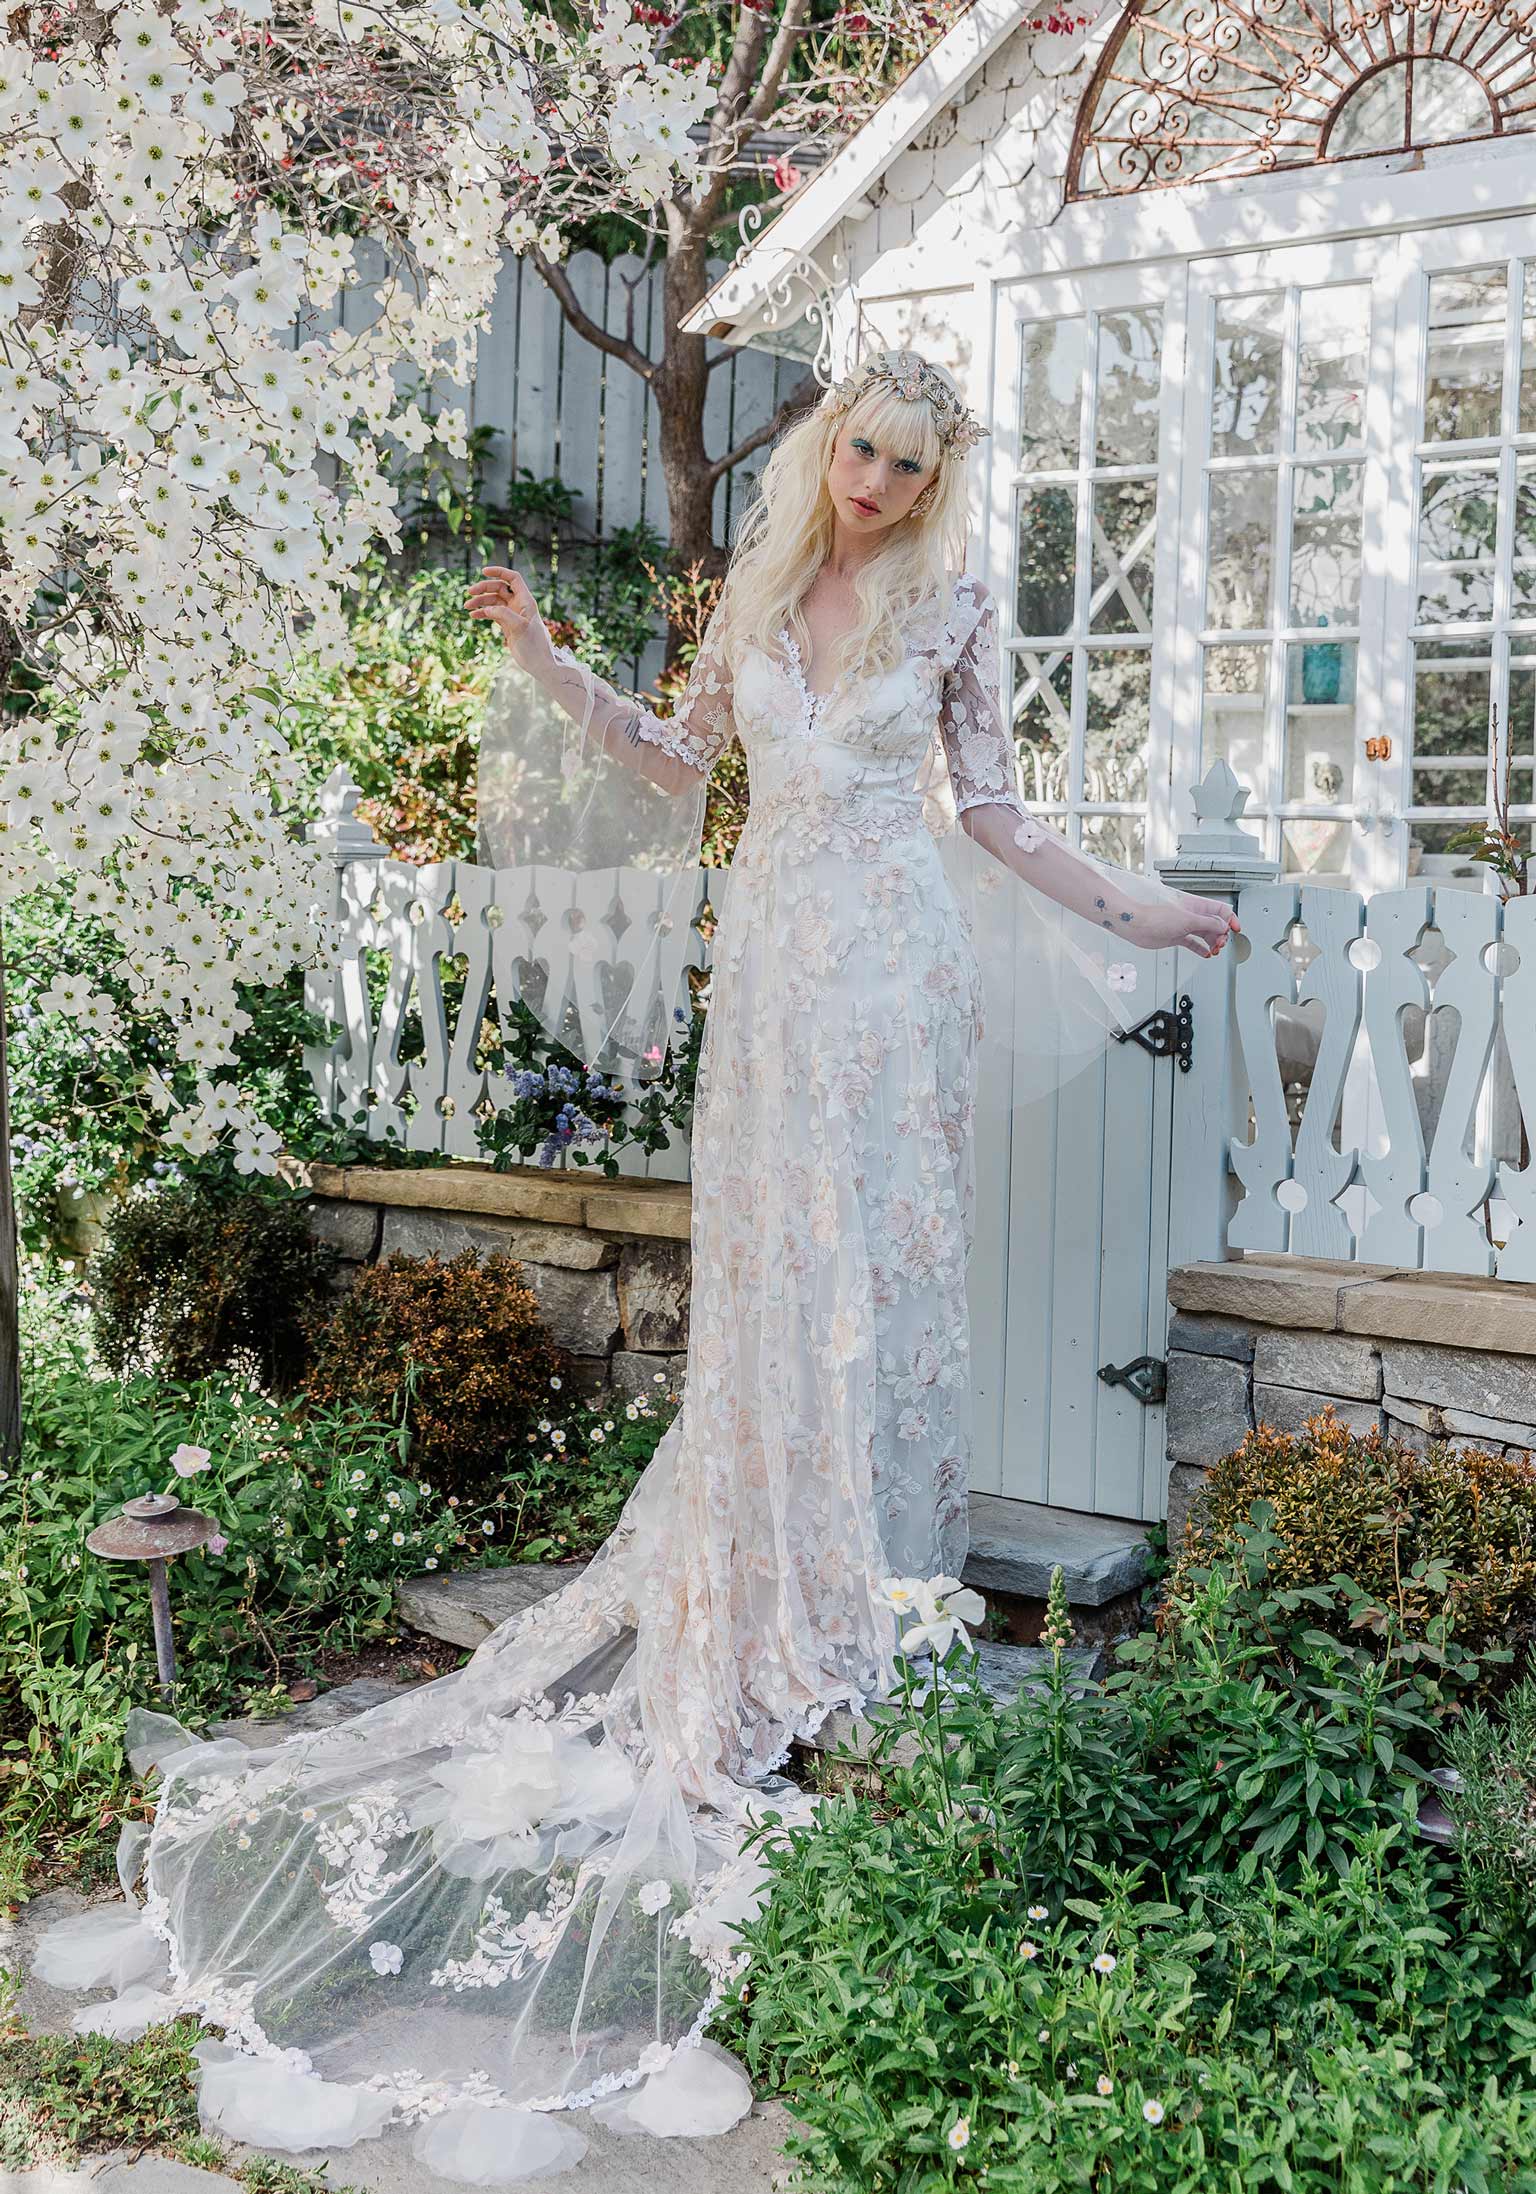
x=632, y=730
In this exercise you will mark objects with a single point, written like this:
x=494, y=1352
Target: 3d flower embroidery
x=655, y=1897
x=1120, y=975
x=385, y=1957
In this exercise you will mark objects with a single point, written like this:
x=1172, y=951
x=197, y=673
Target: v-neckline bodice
x=812, y=702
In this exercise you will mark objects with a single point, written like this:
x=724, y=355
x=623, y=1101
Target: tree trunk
x=680, y=385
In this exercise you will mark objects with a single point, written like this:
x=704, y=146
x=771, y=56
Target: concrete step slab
x=1004, y=1671
x=462, y=1606
x=1015, y=1545
x=322, y=1712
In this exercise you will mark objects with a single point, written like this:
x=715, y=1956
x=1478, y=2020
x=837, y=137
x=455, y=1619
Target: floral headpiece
x=916, y=382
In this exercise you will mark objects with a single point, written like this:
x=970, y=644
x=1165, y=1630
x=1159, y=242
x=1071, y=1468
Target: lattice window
x=1187, y=91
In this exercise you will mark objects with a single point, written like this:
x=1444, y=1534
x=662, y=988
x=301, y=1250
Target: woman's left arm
x=984, y=773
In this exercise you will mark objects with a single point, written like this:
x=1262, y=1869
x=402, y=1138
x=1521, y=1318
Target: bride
x=511, y=1894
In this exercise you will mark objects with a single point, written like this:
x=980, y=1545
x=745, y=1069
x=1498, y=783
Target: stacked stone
x=1424, y=1357
x=614, y=1296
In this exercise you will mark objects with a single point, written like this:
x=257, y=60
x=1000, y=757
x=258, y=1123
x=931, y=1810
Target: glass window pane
x=1320, y=738
x=1330, y=380
x=1316, y=849
x=1232, y=714
x=1439, y=785
x=1130, y=382
x=1465, y=377
x=1448, y=102
x=1042, y=723
x=1242, y=532
x=1432, y=853
x=1325, y=545
x=1520, y=737
x=1452, y=694
x=1528, y=353
x=1118, y=724
x=1523, y=596
x=1373, y=118
x=1051, y=395
x=1247, y=369
x=1047, y=559
x=1118, y=838
x=1124, y=542
x=1458, y=527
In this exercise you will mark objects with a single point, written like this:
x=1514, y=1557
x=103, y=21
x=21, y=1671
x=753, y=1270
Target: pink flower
x=187, y=1460
x=218, y=1543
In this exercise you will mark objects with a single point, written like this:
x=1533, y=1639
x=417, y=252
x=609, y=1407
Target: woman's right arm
x=674, y=753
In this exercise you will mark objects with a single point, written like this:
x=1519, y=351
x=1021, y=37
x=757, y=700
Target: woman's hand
x=504, y=596
x=1199, y=925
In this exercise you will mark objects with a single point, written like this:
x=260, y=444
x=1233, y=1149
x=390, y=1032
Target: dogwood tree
x=193, y=453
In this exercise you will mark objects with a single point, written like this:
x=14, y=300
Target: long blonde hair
x=787, y=533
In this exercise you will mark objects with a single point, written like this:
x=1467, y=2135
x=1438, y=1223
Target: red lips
x=862, y=502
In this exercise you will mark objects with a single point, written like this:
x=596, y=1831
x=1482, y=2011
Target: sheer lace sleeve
x=675, y=753
x=984, y=776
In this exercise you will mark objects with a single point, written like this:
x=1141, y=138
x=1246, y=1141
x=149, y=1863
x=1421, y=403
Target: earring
x=924, y=502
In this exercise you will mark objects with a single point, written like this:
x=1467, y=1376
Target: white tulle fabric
x=514, y=1891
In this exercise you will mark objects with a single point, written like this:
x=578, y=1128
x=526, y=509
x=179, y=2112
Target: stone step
x=1004, y=1671
x=322, y=1712
x=462, y=1606
x=1014, y=1547
x=1016, y=1544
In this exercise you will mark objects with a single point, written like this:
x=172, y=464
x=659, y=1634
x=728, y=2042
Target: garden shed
x=1247, y=296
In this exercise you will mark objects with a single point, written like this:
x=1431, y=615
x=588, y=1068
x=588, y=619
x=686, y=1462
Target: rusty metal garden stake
x=154, y=1529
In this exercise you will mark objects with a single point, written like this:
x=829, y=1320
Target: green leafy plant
x=1436, y=1552
x=1494, y=1808
x=1241, y=1971
x=200, y=1276
x=457, y=1349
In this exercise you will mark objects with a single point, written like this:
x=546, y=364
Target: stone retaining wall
x=608, y=1260
x=1425, y=1357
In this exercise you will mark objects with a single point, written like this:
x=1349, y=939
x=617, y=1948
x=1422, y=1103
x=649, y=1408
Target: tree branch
x=800, y=398
x=601, y=338
x=739, y=109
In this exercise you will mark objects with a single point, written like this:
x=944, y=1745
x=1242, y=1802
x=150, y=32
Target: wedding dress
x=511, y=1892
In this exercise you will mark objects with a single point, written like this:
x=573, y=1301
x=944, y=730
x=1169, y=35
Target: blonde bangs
x=789, y=529
x=897, y=428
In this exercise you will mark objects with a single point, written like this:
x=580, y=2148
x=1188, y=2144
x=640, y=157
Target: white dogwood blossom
x=223, y=228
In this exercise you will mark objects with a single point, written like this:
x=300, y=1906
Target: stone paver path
x=747, y=2160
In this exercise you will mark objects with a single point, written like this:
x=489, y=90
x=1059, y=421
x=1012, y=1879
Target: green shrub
x=199, y=1277
x=1174, y=1935
x=459, y=1347
x=1495, y=1814
x=1429, y=1543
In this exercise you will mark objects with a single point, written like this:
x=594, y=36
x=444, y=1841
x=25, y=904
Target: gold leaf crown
x=915, y=381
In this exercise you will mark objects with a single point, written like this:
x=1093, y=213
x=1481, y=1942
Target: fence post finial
x=341, y=831
x=1216, y=856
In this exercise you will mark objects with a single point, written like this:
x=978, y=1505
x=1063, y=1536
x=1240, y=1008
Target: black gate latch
x=1147, y=1378
x=1166, y=1034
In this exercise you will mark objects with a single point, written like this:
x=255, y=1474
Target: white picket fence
x=1408, y=1147
x=512, y=933
x=1383, y=1050
x=562, y=407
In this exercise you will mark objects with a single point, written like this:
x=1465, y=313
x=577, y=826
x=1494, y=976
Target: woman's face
x=872, y=490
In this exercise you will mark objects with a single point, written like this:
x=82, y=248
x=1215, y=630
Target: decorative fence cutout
x=1389, y=1046
x=503, y=931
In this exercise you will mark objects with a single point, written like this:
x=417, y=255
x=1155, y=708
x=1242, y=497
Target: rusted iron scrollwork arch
x=1190, y=90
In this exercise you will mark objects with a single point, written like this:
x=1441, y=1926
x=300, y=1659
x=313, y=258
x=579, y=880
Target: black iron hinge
x=1146, y=1376
x=1167, y=1034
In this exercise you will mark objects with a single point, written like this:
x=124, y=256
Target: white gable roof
x=816, y=210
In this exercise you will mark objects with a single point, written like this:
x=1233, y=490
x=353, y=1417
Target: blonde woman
x=512, y=1893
